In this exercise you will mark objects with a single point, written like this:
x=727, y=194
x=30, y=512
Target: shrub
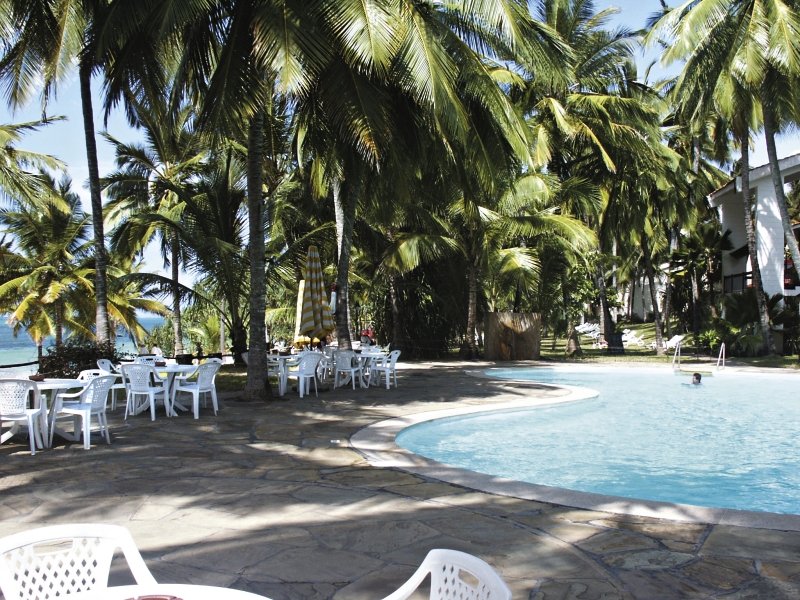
x=74, y=356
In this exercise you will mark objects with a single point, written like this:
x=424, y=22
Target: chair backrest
x=14, y=394
x=63, y=559
x=447, y=570
x=96, y=393
x=343, y=359
x=206, y=373
x=106, y=365
x=214, y=360
x=139, y=377
x=89, y=374
x=145, y=360
x=308, y=363
x=674, y=341
x=392, y=359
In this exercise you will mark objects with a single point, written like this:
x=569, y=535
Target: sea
x=22, y=349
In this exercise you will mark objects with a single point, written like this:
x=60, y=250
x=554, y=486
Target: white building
x=728, y=200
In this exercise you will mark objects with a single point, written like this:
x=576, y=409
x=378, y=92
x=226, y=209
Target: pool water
x=731, y=442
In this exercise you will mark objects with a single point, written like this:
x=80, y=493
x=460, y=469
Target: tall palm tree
x=596, y=127
x=148, y=191
x=742, y=44
x=49, y=37
x=334, y=50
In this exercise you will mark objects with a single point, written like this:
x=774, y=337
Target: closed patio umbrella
x=314, y=314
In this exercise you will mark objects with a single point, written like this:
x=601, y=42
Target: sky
x=65, y=139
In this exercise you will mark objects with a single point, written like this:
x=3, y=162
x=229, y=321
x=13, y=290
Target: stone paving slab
x=269, y=497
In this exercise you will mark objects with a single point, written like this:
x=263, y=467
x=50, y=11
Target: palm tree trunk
x=398, y=336
x=768, y=345
x=58, y=322
x=177, y=326
x=673, y=245
x=606, y=323
x=472, y=311
x=695, y=305
x=345, y=201
x=650, y=273
x=770, y=129
x=256, y=387
x=222, y=327
x=102, y=335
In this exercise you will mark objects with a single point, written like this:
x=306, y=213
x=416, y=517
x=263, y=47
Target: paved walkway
x=271, y=498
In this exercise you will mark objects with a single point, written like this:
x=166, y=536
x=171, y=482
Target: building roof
x=789, y=166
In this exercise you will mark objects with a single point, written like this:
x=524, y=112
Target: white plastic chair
x=143, y=381
x=91, y=400
x=108, y=368
x=88, y=374
x=386, y=367
x=54, y=561
x=325, y=366
x=149, y=359
x=306, y=372
x=204, y=384
x=347, y=363
x=14, y=396
x=447, y=569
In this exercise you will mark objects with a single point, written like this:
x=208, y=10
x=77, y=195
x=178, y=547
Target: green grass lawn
x=553, y=350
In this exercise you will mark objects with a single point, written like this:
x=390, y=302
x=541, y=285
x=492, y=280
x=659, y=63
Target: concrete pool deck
x=272, y=498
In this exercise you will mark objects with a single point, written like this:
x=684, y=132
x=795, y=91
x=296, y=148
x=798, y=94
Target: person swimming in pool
x=696, y=378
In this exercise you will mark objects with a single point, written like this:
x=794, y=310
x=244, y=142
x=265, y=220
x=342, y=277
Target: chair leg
x=214, y=400
x=86, y=417
x=196, y=403
x=152, y=406
x=31, y=435
x=101, y=418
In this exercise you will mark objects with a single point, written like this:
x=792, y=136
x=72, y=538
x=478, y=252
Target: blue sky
x=65, y=139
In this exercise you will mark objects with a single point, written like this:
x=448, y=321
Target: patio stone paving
x=269, y=498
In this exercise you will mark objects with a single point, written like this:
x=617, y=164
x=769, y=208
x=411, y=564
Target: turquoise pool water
x=732, y=442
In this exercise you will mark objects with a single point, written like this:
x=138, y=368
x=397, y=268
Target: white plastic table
x=367, y=356
x=172, y=370
x=165, y=590
x=54, y=386
x=284, y=362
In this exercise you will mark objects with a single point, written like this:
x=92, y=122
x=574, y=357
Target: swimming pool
x=732, y=442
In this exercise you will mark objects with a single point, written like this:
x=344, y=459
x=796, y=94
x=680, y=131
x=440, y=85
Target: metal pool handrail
x=677, y=357
x=721, y=357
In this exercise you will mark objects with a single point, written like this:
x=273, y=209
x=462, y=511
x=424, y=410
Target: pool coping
x=376, y=443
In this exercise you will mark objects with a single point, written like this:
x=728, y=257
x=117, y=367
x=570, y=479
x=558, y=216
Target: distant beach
x=21, y=349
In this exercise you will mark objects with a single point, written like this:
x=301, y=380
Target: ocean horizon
x=22, y=349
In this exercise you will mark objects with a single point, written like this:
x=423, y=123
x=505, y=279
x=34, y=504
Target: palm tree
x=598, y=128
x=20, y=170
x=149, y=189
x=48, y=37
x=298, y=50
x=735, y=48
x=44, y=288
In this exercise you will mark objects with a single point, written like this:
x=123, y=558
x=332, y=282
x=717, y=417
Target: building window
x=737, y=283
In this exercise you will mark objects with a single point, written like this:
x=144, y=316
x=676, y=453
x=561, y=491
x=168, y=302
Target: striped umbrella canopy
x=314, y=314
